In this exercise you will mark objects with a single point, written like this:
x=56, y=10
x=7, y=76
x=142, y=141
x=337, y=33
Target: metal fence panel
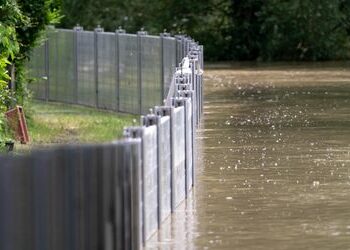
x=134, y=154
x=86, y=68
x=67, y=226
x=150, y=180
x=178, y=153
x=164, y=154
x=43, y=194
x=107, y=71
x=150, y=72
x=62, y=66
x=16, y=212
x=89, y=198
x=169, y=62
x=129, y=92
x=179, y=49
x=127, y=195
x=37, y=72
x=189, y=145
x=52, y=38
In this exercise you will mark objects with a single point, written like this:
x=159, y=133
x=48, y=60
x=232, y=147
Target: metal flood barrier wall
x=109, y=70
x=83, y=197
x=114, y=195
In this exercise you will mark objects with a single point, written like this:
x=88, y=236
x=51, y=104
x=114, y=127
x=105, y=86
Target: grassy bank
x=56, y=123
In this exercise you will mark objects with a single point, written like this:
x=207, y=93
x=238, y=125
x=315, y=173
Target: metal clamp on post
x=163, y=110
x=78, y=28
x=142, y=32
x=182, y=79
x=99, y=29
x=190, y=94
x=120, y=30
x=149, y=120
x=133, y=132
x=183, y=87
x=165, y=34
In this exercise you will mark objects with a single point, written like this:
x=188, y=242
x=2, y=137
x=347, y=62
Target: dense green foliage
x=39, y=14
x=230, y=29
x=10, y=16
x=22, y=24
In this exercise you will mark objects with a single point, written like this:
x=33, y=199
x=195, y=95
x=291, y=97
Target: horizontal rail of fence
x=110, y=196
x=109, y=70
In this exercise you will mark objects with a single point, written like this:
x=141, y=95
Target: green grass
x=56, y=123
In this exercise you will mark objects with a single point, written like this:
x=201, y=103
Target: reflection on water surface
x=274, y=148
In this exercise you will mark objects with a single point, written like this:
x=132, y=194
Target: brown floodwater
x=273, y=161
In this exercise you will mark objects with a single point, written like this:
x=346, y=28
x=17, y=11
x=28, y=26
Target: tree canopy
x=230, y=29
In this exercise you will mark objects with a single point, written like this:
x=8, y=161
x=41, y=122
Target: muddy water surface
x=274, y=162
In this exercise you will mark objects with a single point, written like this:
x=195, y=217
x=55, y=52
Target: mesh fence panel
x=129, y=92
x=169, y=62
x=37, y=72
x=52, y=40
x=120, y=72
x=107, y=71
x=150, y=72
x=86, y=68
x=63, y=59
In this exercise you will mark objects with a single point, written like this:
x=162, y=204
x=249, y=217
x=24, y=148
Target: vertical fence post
x=75, y=51
x=96, y=31
x=117, y=63
x=140, y=34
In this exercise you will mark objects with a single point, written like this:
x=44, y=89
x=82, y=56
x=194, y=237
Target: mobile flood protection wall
x=116, y=71
x=113, y=195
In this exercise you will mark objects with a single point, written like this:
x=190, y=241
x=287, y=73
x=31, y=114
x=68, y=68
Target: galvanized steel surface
x=169, y=61
x=86, y=85
x=150, y=180
x=115, y=71
x=61, y=58
x=178, y=153
x=107, y=71
x=151, y=63
x=164, y=149
x=129, y=89
x=76, y=197
x=110, y=196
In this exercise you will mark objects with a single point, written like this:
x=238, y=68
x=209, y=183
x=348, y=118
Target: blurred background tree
x=230, y=29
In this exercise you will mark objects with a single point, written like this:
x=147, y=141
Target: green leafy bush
x=22, y=27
